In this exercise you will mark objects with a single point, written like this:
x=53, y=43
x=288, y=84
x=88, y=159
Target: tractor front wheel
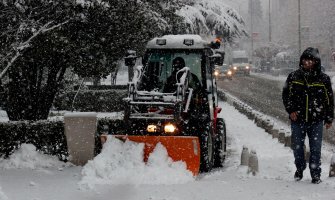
x=206, y=150
x=220, y=143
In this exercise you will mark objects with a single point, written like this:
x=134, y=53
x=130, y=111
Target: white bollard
x=332, y=167
x=269, y=127
x=245, y=156
x=80, y=130
x=253, y=163
x=257, y=117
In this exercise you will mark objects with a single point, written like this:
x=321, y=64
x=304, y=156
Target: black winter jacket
x=309, y=93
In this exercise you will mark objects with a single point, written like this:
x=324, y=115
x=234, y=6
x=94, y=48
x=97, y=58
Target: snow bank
x=282, y=55
x=2, y=195
x=333, y=160
x=3, y=116
x=333, y=82
x=28, y=158
x=121, y=163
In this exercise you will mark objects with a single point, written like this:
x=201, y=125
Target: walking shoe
x=298, y=175
x=316, y=180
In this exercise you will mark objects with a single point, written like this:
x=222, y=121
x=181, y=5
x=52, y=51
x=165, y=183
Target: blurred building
x=317, y=25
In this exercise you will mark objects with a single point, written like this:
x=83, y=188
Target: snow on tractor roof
x=177, y=42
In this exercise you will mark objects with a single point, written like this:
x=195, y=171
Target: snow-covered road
x=26, y=177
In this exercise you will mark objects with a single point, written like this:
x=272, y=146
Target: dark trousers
x=314, y=133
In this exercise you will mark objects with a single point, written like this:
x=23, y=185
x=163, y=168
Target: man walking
x=308, y=99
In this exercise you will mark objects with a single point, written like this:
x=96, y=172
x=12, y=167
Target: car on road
x=241, y=68
x=223, y=72
x=240, y=63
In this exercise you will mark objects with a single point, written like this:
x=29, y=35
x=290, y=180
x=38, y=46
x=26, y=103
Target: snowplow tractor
x=172, y=100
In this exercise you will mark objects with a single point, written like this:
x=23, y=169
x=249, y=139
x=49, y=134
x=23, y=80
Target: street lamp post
x=299, y=28
x=270, y=21
x=252, y=31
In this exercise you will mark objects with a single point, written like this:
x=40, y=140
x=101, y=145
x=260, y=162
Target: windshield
x=158, y=67
x=240, y=60
x=225, y=67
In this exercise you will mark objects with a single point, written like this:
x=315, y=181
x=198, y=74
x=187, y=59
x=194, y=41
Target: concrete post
x=288, y=141
x=253, y=163
x=264, y=123
x=269, y=126
x=250, y=114
x=245, y=156
x=275, y=133
x=281, y=136
x=332, y=167
x=80, y=130
x=260, y=121
x=257, y=118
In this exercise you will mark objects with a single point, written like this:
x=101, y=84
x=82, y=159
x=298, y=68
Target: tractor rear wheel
x=220, y=143
x=206, y=150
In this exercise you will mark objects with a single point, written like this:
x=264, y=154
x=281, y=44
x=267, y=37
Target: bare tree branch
x=26, y=43
x=9, y=64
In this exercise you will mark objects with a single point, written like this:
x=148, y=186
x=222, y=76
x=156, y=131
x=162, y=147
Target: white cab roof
x=177, y=42
x=240, y=54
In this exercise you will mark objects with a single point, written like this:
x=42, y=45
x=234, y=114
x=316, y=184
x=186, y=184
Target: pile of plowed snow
x=122, y=163
x=26, y=157
x=2, y=195
x=119, y=163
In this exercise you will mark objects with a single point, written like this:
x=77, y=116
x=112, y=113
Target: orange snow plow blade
x=179, y=148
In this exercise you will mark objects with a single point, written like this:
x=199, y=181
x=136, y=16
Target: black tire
x=206, y=149
x=220, y=143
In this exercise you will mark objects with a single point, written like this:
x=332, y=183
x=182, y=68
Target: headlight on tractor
x=152, y=128
x=169, y=128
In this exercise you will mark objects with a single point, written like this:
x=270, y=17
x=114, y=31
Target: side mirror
x=216, y=59
x=215, y=45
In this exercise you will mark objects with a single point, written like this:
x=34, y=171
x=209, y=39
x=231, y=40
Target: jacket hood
x=311, y=53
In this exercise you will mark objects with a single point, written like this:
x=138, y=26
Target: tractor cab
x=159, y=67
x=194, y=84
x=184, y=118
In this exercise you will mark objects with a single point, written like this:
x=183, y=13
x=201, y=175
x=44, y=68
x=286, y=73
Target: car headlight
x=229, y=72
x=247, y=67
x=235, y=68
x=169, y=128
x=216, y=73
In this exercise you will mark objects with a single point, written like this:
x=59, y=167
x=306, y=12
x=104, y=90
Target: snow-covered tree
x=268, y=51
x=28, y=43
x=212, y=17
x=41, y=39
